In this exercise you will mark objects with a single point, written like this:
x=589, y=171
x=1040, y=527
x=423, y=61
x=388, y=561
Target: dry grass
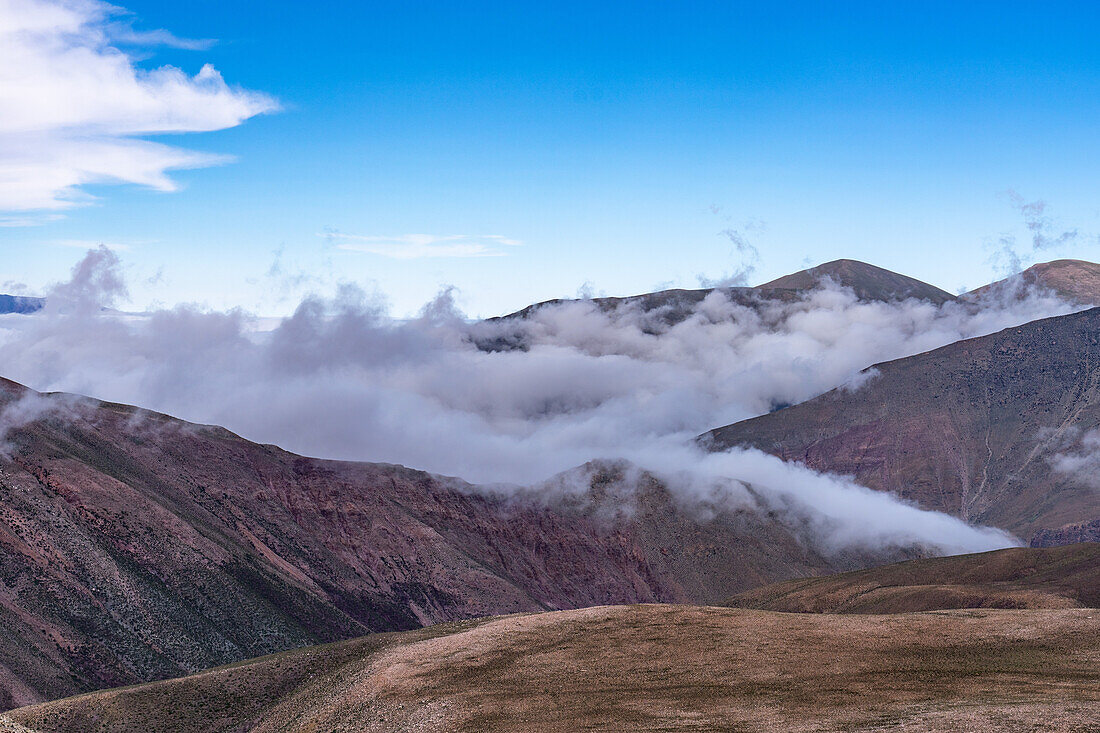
x=653, y=668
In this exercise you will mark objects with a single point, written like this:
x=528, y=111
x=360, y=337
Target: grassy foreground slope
x=1020, y=577
x=650, y=667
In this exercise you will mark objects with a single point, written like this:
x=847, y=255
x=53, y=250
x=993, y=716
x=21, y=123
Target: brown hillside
x=972, y=429
x=1077, y=281
x=867, y=281
x=643, y=668
x=1059, y=577
x=136, y=547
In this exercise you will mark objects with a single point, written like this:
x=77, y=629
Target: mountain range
x=136, y=547
x=866, y=281
x=1075, y=280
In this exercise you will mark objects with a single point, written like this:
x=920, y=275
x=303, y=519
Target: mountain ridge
x=1058, y=577
x=867, y=281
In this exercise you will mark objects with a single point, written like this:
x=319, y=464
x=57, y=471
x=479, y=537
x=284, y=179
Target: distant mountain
x=1076, y=281
x=134, y=546
x=20, y=304
x=639, y=668
x=866, y=281
x=995, y=430
x=1060, y=577
x=673, y=306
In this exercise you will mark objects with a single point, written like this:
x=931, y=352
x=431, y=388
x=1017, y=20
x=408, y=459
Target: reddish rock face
x=134, y=547
x=973, y=429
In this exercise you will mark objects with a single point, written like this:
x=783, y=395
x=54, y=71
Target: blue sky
x=614, y=144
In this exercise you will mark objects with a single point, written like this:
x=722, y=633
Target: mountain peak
x=867, y=281
x=1077, y=281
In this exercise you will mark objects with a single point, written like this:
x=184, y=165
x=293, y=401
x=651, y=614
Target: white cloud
x=419, y=246
x=27, y=221
x=1080, y=459
x=73, y=105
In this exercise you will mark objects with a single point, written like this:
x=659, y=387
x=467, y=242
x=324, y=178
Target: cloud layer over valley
x=340, y=379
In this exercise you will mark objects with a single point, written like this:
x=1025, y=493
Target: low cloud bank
x=340, y=379
x=828, y=512
x=1078, y=456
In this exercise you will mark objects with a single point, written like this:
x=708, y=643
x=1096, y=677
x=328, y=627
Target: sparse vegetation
x=656, y=668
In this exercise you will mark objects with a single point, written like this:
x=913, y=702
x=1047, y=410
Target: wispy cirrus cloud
x=1044, y=234
x=419, y=246
x=8, y=222
x=74, y=105
x=123, y=33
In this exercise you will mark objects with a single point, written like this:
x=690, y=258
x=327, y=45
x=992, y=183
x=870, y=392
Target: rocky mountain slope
x=134, y=546
x=996, y=430
x=642, y=668
x=1059, y=577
